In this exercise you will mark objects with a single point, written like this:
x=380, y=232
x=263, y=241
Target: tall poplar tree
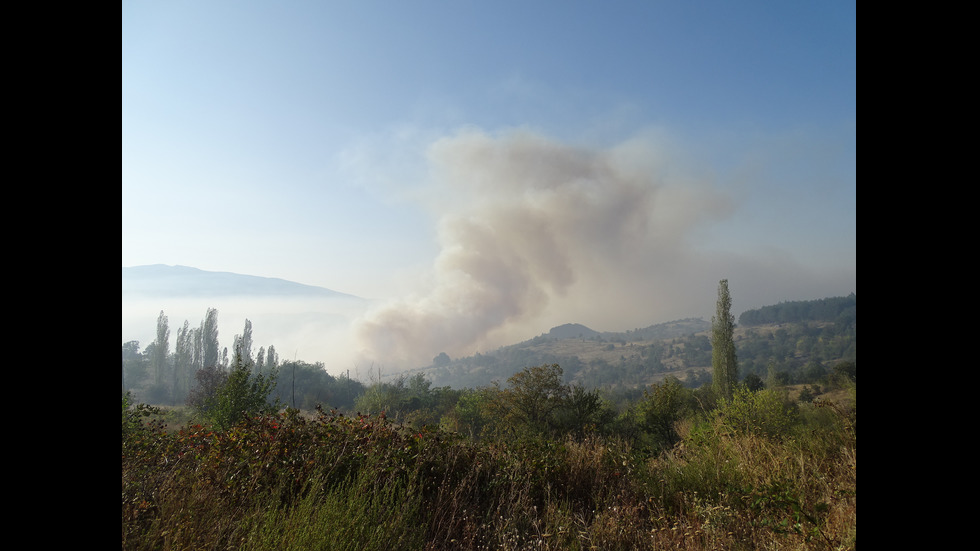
x=271, y=358
x=209, y=339
x=259, y=361
x=197, y=363
x=183, y=361
x=243, y=346
x=162, y=348
x=723, y=362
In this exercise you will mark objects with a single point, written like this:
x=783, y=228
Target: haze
x=485, y=171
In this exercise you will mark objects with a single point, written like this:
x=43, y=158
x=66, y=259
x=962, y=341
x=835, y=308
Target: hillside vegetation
x=794, y=341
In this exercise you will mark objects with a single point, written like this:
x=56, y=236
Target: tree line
x=574, y=394
x=842, y=310
x=160, y=375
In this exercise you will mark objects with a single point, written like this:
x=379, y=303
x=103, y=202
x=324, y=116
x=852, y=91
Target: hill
x=588, y=357
x=797, y=349
x=159, y=280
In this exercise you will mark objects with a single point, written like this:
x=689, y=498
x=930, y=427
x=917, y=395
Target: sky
x=487, y=170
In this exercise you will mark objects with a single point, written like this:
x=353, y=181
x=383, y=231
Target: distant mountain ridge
x=161, y=280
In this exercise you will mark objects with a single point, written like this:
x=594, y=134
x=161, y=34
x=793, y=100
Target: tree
x=476, y=412
x=271, y=358
x=583, y=411
x=534, y=395
x=243, y=346
x=236, y=395
x=209, y=339
x=209, y=380
x=197, y=354
x=813, y=372
x=846, y=371
x=133, y=364
x=723, y=361
x=754, y=382
x=161, y=349
x=183, y=361
x=260, y=360
x=441, y=360
x=663, y=404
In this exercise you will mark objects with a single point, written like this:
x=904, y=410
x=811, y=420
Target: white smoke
x=534, y=232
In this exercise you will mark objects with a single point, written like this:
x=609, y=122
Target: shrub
x=762, y=412
x=137, y=418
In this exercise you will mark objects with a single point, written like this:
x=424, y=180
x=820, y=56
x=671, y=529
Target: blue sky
x=324, y=142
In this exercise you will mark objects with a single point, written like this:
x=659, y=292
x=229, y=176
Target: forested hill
x=794, y=341
x=834, y=309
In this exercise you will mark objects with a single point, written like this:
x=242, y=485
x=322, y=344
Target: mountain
x=159, y=280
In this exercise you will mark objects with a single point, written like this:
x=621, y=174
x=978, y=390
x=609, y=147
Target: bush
x=137, y=418
x=763, y=413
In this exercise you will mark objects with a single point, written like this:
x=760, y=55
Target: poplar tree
x=183, y=360
x=259, y=361
x=209, y=339
x=197, y=355
x=162, y=348
x=271, y=358
x=723, y=362
x=243, y=346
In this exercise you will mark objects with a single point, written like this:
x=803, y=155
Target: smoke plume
x=534, y=232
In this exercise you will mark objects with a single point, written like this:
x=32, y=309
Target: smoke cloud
x=536, y=232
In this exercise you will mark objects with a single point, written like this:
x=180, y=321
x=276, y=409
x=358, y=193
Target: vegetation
x=538, y=461
x=807, y=333
x=756, y=473
x=837, y=309
x=234, y=395
x=160, y=376
x=812, y=339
